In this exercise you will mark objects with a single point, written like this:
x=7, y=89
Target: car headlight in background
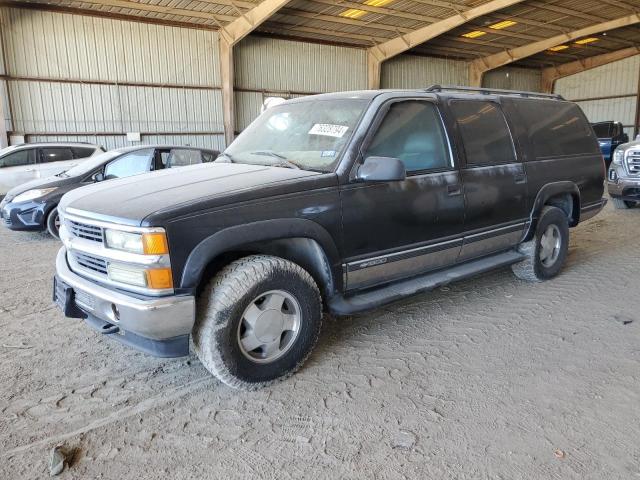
x=618, y=156
x=32, y=194
x=152, y=243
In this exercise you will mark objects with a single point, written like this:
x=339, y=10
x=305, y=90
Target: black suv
x=338, y=202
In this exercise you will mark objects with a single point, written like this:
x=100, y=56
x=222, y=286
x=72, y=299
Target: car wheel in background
x=53, y=223
x=257, y=321
x=547, y=252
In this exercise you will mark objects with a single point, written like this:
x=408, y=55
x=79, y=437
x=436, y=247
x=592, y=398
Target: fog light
x=613, y=176
x=128, y=275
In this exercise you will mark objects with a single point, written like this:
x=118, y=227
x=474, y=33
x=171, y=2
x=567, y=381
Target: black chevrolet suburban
x=332, y=203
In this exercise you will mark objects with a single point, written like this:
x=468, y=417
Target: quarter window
x=181, y=157
x=82, y=152
x=130, y=164
x=412, y=131
x=557, y=128
x=485, y=135
x=17, y=159
x=55, y=154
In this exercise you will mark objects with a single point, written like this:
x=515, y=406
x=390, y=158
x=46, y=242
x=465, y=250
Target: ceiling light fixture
x=503, y=24
x=377, y=3
x=353, y=13
x=558, y=48
x=474, y=34
x=584, y=41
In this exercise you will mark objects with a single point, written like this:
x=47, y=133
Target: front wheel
x=257, y=321
x=53, y=223
x=547, y=252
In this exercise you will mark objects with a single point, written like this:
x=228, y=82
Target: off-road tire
x=222, y=303
x=531, y=268
x=51, y=224
x=621, y=204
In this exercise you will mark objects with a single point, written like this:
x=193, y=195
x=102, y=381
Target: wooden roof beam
x=386, y=50
x=231, y=34
x=490, y=62
x=551, y=74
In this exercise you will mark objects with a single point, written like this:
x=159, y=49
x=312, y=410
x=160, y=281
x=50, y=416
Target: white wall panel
x=263, y=63
x=617, y=78
x=412, y=71
x=92, y=75
x=512, y=78
x=56, y=45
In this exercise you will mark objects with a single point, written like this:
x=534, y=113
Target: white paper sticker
x=328, y=130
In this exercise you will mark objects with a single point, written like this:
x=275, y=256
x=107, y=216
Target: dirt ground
x=488, y=378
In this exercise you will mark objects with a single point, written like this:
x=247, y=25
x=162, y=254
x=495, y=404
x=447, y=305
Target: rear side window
x=55, y=154
x=82, y=152
x=412, y=131
x=484, y=131
x=19, y=158
x=181, y=157
x=555, y=128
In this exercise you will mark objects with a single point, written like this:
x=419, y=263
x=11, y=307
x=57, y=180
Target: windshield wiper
x=281, y=159
x=62, y=174
x=269, y=153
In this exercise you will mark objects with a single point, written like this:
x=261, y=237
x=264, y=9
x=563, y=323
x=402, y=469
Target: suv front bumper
x=157, y=325
x=624, y=187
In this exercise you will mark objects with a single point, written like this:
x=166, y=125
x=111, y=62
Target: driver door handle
x=453, y=190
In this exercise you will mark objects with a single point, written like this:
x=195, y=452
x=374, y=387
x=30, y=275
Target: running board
x=370, y=299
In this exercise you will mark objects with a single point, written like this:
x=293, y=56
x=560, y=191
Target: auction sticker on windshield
x=328, y=130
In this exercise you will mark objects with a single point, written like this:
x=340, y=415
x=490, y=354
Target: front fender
x=236, y=237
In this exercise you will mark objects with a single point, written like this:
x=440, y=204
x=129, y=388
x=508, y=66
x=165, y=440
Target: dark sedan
x=33, y=206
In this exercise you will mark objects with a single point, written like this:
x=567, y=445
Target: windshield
x=88, y=166
x=310, y=135
x=603, y=130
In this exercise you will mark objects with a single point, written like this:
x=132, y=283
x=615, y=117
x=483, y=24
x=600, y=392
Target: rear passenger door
x=495, y=183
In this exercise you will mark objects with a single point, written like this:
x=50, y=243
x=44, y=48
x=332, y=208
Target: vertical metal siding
x=512, y=78
x=412, y=71
x=47, y=46
x=271, y=64
x=618, y=79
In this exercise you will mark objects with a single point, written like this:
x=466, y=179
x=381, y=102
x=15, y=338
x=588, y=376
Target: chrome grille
x=95, y=264
x=633, y=162
x=84, y=299
x=86, y=231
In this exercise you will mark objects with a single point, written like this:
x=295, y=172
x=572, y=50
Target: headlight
x=618, y=156
x=33, y=194
x=154, y=243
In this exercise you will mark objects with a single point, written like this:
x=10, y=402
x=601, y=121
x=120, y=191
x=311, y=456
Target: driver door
x=399, y=229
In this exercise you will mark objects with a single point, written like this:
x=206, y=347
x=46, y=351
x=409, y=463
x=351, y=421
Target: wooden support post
x=228, y=101
x=475, y=76
x=374, y=71
x=4, y=138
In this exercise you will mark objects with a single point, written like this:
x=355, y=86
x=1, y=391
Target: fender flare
x=548, y=191
x=239, y=236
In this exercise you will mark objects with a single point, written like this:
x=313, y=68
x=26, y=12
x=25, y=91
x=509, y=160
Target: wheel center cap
x=269, y=325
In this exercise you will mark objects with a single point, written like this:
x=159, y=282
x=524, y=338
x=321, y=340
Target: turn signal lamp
x=159, y=278
x=155, y=243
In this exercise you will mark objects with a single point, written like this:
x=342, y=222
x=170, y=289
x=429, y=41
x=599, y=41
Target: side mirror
x=381, y=169
x=98, y=177
x=638, y=137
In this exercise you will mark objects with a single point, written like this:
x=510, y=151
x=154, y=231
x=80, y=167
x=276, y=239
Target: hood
x=40, y=183
x=130, y=200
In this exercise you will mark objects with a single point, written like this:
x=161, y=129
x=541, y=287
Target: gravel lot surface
x=487, y=378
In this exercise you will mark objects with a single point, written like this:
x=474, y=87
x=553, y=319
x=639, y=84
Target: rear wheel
x=257, y=322
x=547, y=252
x=53, y=223
x=621, y=204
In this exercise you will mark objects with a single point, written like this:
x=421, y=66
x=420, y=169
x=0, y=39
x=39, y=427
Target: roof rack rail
x=489, y=91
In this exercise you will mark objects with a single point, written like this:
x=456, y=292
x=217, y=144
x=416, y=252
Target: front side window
x=412, y=132
x=310, y=134
x=55, y=154
x=17, y=159
x=485, y=135
x=130, y=164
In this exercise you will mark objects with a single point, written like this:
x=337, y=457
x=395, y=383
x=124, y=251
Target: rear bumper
x=157, y=325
